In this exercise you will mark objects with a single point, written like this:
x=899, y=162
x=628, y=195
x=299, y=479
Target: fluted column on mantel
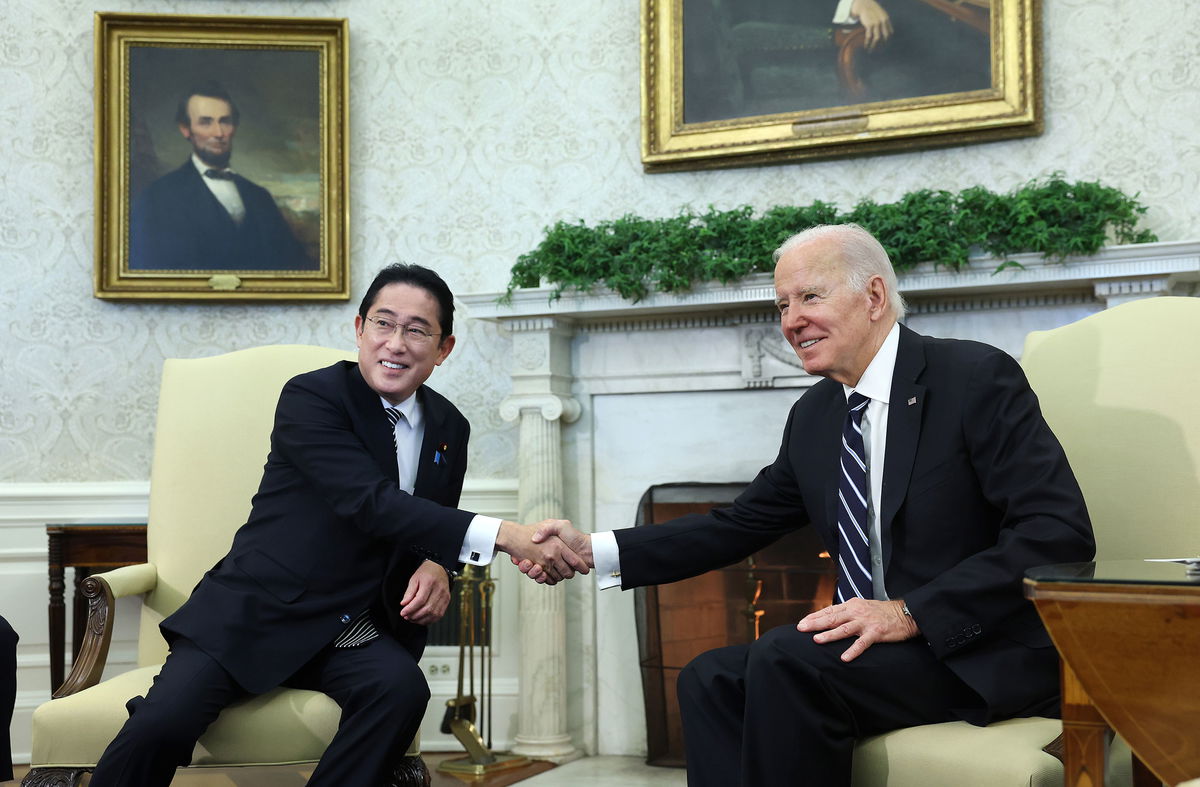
x=541, y=403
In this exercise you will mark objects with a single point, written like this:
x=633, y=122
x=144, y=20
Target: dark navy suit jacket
x=976, y=489
x=330, y=532
x=177, y=224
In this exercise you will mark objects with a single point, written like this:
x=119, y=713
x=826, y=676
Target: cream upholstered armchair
x=211, y=440
x=1119, y=390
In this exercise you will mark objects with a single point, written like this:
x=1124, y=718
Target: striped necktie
x=362, y=629
x=854, y=549
x=393, y=415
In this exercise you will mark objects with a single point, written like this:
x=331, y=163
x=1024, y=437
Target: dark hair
x=417, y=276
x=210, y=89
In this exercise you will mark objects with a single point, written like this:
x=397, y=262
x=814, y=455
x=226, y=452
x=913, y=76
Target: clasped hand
x=540, y=551
x=869, y=621
x=560, y=531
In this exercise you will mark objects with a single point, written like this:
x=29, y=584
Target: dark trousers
x=8, y=695
x=785, y=710
x=379, y=687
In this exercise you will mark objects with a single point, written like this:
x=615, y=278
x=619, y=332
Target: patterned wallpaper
x=473, y=125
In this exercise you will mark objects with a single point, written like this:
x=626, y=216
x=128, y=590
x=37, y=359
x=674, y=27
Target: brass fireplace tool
x=475, y=591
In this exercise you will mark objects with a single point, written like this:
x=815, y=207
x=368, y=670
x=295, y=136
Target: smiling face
x=834, y=329
x=393, y=366
x=210, y=129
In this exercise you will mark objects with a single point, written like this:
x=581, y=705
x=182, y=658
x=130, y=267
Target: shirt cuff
x=479, y=546
x=842, y=15
x=607, y=557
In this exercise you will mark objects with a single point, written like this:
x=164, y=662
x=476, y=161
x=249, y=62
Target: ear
x=877, y=298
x=187, y=132
x=358, y=329
x=444, y=350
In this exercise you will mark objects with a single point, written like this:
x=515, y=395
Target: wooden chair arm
x=99, y=593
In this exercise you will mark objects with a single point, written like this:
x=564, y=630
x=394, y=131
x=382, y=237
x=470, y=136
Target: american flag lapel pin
x=912, y=400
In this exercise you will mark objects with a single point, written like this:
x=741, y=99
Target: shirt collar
x=876, y=381
x=201, y=167
x=410, y=408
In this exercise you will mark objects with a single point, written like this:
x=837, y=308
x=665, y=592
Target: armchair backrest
x=210, y=444
x=1121, y=389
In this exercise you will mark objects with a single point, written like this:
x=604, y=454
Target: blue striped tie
x=854, y=550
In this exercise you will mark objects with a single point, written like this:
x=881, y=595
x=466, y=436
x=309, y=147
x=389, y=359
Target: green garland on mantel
x=633, y=255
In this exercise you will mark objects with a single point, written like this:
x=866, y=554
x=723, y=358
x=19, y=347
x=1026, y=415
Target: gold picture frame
x=724, y=88
x=182, y=213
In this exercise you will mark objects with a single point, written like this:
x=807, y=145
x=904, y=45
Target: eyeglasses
x=415, y=335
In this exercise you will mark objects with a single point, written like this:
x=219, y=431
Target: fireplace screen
x=776, y=586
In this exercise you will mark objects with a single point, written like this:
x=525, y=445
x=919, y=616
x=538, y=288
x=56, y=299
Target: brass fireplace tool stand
x=475, y=591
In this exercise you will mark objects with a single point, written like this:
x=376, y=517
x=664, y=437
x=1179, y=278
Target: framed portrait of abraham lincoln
x=749, y=82
x=221, y=158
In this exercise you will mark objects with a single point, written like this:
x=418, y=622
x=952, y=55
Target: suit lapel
x=828, y=443
x=432, y=460
x=904, y=427
x=372, y=424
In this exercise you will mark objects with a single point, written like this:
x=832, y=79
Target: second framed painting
x=221, y=158
x=746, y=82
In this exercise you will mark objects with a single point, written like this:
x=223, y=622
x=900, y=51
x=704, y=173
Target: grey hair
x=862, y=257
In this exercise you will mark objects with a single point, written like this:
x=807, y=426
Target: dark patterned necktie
x=393, y=416
x=854, y=549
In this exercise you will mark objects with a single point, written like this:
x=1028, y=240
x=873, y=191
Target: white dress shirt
x=842, y=15
x=479, y=545
x=875, y=384
x=226, y=191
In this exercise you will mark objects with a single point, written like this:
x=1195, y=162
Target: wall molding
x=73, y=501
x=90, y=501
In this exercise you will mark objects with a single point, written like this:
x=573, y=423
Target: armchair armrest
x=130, y=580
x=100, y=591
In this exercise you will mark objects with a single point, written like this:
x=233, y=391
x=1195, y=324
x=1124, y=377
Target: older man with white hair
x=929, y=472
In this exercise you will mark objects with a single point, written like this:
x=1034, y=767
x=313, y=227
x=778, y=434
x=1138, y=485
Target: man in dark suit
x=205, y=216
x=344, y=560
x=962, y=488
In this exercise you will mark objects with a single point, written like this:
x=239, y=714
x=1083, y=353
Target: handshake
x=547, y=552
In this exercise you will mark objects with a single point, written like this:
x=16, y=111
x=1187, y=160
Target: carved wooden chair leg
x=410, y=772
x=53, y=777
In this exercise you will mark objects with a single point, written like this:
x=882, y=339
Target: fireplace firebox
x=776, y=586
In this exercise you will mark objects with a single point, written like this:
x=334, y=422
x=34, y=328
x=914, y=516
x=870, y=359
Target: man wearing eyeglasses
x=344, y=560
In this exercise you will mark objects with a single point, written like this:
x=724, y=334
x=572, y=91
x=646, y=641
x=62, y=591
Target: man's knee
x=712, y=672
x=402, y=684
x=784, y=649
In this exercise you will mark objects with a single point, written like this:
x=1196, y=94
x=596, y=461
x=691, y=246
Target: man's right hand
x=875, y=21
x=579, y=543
x=548, y=556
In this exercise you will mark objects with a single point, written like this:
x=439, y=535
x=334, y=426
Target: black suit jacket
x=177, y=224
x=976, y=489
x=330, y=532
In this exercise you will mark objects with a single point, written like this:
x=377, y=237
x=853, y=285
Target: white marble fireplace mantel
x=613, y=397
x=1121, y=272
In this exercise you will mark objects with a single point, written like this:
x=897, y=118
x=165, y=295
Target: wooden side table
x=86, y=548
x=1128, y=632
